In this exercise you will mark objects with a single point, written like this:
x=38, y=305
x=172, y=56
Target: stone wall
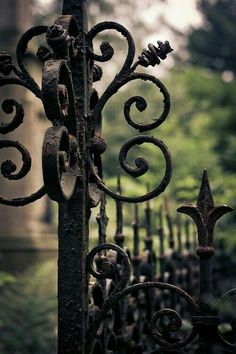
x=23, y=228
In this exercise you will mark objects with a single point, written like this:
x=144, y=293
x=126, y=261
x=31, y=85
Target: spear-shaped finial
x=148, y=224
x=136, y=259
x=179, y=233
x=205, y=215
x=148, y=216
x=136, y=231
x=119, y=237
x=187, y=234
x=205, y=202
x=102, y=220
x=161, y=231
x=169, y=224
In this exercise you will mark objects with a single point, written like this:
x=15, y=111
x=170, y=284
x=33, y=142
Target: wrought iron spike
x=169, y=224
x=136, y=259
x=205, y=202
x=179, y=233
x=161, y=230
x=205, y=215
x=119, y=236
x=148, y=216
x=102, y=220
x=136, y=231
x=187, y=234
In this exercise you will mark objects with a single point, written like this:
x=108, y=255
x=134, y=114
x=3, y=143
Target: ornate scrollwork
x=125, y=76
x=174, y=318
x=141, y=168
x=109, y=268
x=58, y=94
x=58, y=98
x=60, y=148
x=21, y=78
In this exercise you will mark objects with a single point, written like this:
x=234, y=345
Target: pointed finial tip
x=205, y=174
x=205, y=185
x=119, y=184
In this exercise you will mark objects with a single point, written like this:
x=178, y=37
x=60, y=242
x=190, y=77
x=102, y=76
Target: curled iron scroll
x=220, y=304
x=10, y=106
x=140, y=169
x=109, y=265
x=59, y=163
x=173, y=325
x=125, y=76
x=60, y=155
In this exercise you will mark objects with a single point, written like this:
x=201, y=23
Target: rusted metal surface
x=140, y=300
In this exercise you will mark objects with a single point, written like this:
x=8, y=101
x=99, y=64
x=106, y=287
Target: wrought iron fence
x=113, y=300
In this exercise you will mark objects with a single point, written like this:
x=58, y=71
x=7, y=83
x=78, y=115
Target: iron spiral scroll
x=22, y=78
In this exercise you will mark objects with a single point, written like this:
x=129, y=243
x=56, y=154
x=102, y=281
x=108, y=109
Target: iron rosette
x=127, y=74
x=11, y=75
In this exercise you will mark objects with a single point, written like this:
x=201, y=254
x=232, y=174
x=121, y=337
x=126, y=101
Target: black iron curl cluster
x=154, y=55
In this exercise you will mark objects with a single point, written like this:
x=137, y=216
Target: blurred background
x=199, y=132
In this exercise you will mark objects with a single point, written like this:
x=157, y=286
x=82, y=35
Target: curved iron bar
x=8, y=167
x=107, y=50
x=118, y=294
x=8, y=107
x=108, y=267
x=22, y=79
x=141, y=168
x=17, y=202
x=223, y=341
x=59, y=163
x=60, y=147
x=125, y=76
x=58, y=94
x=140, y=102
x=20, y=55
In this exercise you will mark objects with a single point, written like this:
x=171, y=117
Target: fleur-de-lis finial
x=205, y=215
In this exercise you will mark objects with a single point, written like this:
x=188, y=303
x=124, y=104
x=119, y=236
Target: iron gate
x=131, y=306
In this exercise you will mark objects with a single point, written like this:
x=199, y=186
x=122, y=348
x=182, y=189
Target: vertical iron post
x=74, y=213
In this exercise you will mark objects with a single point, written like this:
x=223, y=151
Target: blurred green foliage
x=213, y=44
x=28, y=312
x=6, y=278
